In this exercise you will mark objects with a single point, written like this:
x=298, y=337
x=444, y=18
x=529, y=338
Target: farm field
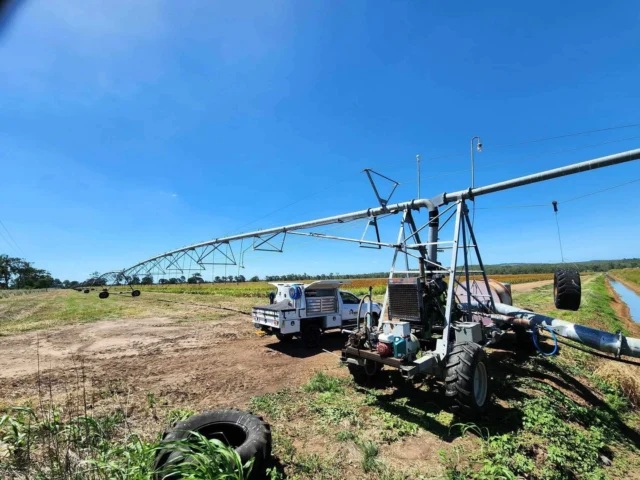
x=261, y=289
x=135, y=365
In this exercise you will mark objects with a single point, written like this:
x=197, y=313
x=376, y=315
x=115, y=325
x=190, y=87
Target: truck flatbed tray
x=354, y=352
x=276, y=307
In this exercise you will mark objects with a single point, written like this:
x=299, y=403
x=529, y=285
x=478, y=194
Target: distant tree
x=173, y=281
x=147, y=280
x=217, y=279
x=66, y=283
x=135, y=280
x=230, y=278
x=163, y=281
x=182, y=279
x=196, y=278
x=255, y=278
x=241, y=278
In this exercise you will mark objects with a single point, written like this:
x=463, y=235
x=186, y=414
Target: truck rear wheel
x=467, y=379
x=311, y=336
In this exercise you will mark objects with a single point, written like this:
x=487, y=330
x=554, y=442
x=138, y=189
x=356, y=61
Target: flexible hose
x=360, y=309
x=555, y=341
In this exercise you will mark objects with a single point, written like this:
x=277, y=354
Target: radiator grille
x=405, y=299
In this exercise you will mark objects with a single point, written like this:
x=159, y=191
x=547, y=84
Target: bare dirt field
x=210, y=364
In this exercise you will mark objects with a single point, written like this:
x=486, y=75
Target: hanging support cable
x=555, y=209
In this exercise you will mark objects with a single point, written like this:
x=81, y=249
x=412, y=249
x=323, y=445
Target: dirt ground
x=207, y=363
x=527, y=287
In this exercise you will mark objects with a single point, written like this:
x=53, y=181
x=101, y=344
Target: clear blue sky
x=132, y=128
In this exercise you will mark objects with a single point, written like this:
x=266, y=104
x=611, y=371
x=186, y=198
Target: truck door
x=350, y=305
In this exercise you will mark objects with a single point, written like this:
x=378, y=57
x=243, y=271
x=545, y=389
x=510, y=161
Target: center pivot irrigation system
x=443, y=315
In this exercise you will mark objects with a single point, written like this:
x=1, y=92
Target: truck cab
x=307, y=310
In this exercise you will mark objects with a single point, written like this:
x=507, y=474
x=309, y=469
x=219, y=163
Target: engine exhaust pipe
x=615, y=343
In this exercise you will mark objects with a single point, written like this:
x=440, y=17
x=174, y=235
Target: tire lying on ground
x=103, y=294
x=248, y=434
x=135, y=293
x=567, y=290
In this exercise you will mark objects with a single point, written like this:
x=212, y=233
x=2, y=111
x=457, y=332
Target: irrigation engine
x=438, y=315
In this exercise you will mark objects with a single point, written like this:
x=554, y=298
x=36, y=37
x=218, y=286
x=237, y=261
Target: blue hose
x=555, y=341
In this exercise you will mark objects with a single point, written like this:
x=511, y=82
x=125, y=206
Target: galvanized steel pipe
x=539, y=177
x=615, y=343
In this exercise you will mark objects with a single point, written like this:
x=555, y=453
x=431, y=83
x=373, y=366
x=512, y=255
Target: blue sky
x=132, y=128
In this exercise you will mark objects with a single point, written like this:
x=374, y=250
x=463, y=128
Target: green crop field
x=262, y=289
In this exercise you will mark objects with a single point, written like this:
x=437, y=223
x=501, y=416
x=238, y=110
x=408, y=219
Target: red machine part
x=384, y=349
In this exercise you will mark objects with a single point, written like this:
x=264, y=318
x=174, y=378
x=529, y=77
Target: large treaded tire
x=466, y=361
x=567, y=290
x=247, y=433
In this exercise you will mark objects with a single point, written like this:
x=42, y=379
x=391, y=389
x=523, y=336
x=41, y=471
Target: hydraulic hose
x=555, y=341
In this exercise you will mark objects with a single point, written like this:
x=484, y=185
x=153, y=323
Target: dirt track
x=208, y=364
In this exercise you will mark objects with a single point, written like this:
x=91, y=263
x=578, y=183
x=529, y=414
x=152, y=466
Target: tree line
x=19, y=273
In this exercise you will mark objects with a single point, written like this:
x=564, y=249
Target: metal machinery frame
x=409, y=244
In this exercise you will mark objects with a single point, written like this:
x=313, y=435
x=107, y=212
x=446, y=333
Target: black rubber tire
x=463, y=364
x=135, y=293
x=311, y=335
x=284, y=337
x=567, y=289
x=365, y=375
x=103, y=294
x=249, y=434
x=86, y=290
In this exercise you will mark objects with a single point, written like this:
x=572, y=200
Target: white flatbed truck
x=307, y=310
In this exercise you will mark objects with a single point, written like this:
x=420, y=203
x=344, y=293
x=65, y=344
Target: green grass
x=630, y=275
x=558, y=436
x=47, y=443
x=595, y=310
x=65, y=307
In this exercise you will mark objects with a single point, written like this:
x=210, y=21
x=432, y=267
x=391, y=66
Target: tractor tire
x=86, y=290
x=103, y=294
x=311, y=336
x=135, y=293
x=567, y=290
x=467, y=380
x=284, y=337
x=248, y=434
x=365, y=375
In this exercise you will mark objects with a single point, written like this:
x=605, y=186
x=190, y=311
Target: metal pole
x=539, y=177
x=418, y=160
x=473, y=168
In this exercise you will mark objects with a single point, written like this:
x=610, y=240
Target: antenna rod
x=593, y=164
x=418, y=160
